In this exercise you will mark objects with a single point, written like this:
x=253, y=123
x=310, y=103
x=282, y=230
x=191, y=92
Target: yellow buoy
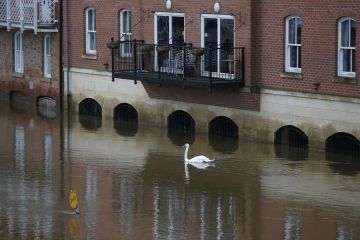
x=73, y=200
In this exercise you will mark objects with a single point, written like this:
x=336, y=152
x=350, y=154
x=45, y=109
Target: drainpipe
x=61, y=49
x=68, y=94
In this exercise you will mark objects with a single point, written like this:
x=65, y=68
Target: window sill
x=89, y=56
x=346, y=80
x=46, y=79
x=291, y=75
x=17, y=75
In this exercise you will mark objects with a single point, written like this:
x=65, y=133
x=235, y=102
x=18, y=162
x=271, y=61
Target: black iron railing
x=178, y=64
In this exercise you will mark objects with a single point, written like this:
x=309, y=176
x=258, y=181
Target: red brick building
x=30, y=50
x=271, y=68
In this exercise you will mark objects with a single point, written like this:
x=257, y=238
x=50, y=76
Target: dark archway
x=181, y=128
x=343, y=152
x=90, y=114
x=292, y=136
x=223, y=135
x=125, y=119
x=20, y=102
x=90, y=107
x=342, y=143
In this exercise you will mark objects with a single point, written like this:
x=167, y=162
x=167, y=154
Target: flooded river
x=132, y=183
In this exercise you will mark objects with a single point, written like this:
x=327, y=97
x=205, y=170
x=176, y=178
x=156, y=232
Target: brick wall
x=33, y=47
x=319, y=44
x=107, y=26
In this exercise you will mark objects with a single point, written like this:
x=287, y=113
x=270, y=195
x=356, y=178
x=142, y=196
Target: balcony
x=182, y=65
x=36, y=15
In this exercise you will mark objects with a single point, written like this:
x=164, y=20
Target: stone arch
x=125, y=119
x=181, y=127
x=125, y=112
x=291, y=135
x=342, y=142
x=223, y=126
x=90, y=114
x=90, y=107
x=223, y=135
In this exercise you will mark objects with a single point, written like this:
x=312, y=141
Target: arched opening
x=292, y=136
x=343, y=152
x=125, y=119
x=90, y=114
x=181, y=128
x=223, y=135
x=291, y=143
x=46, y=106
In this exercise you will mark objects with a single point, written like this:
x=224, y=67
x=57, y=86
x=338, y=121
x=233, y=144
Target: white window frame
x=126, y=34
x=288, y=46
x=170, y=15
x=19, y=53
x=341, y=71
x=47, y=56
x=90, y=31
x=218, y=17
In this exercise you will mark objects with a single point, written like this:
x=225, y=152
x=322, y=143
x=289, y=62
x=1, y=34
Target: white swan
x=197, y=159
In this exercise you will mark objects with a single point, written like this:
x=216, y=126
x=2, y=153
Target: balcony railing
x=178, y=64
x=37, y=15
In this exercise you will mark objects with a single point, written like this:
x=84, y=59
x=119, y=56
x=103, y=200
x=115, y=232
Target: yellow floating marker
x=73, y=200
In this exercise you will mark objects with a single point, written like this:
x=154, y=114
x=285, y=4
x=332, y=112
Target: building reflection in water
x=48, y=150
x=345, y=232
x=345, y=164
x=224, y=144
x=20, y=148
x=90, y=122
x=291, y=153
x=126, y=128
x=127, y=206
x=292, y=228
x=91, y=202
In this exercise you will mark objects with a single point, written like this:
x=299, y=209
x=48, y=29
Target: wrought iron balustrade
x=37, y=15
x=178, y=64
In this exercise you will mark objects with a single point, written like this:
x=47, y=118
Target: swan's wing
x=200, y=159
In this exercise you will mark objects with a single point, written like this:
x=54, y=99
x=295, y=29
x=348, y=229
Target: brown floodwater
x=132, y=183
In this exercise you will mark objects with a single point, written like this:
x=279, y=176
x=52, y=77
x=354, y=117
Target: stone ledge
x=291, y=75
x=17, y=75
x=346, y=80
x=89, y=56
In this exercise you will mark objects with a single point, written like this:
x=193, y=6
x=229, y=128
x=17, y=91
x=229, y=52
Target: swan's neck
x=186, y=154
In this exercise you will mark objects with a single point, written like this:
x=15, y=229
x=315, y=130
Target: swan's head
x=186, y=145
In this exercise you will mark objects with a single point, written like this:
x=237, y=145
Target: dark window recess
x=292, y=136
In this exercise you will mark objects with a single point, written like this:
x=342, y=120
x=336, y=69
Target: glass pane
x=345, y=34
x=90, y=20
x=178, y=30
x=92, y=41
x=346, y=60
x=210, y=41
x=298, y=37
x=353, y=63
x=299, y=57
x=163, y=29
x=353, y=33
x=227, y=45
x=291, y=30
x=293, y=56
x=125, y=22
x=48, y=46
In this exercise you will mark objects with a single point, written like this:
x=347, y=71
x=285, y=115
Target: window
x=47, y=56
x=125, y=32
x=91, y=31
x=217, y=33
x=346, y=47
x=293, y=45
x=19, y=54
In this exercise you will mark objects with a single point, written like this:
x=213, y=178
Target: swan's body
x=197, y=159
